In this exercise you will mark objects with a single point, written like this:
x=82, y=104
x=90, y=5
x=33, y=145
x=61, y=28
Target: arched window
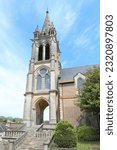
x=80, y=82
x=47, y=81
x=39, y=82
x=43, y=79
x=47, y=52
x=40, y=54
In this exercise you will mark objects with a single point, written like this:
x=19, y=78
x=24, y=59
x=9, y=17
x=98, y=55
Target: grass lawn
x=81, y=145
x=87, y=145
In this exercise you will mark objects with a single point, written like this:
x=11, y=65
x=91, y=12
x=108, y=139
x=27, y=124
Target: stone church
x=48, y=84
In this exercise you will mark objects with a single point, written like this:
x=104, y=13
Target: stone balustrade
x=13, y=133
x=48, y=142
x=15, y=138
x=19, y=140
x=1, y=145
x=44, y=134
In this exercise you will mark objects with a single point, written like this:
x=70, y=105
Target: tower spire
x=47, y=12
x=47, y=24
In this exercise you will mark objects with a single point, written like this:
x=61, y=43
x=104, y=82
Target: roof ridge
x=80, y=66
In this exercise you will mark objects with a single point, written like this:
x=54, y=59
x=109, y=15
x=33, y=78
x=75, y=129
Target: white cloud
x=82, y=41
x=62, y=13
x=12, y=88
x=65, y=23
x=12, y=67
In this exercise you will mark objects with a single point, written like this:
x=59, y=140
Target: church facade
x=48, y=84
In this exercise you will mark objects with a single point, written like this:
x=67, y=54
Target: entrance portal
x=40, y=107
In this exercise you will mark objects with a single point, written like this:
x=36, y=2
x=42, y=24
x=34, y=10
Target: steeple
x=42, y=78
x=48, y=28
x=47, y=24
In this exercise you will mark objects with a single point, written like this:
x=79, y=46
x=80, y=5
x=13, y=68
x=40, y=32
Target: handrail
x=14, y=143
x=39, y=127
x=48, y=142
x=20, y=140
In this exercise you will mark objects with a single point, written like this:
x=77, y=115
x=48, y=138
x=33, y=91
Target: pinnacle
x=47, y=23
x=37, y=28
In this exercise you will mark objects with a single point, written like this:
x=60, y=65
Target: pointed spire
x=47, y=24
x=47, y=12
x=37, y=29
x=36, y=32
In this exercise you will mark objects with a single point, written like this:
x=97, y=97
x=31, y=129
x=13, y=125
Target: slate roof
x=69, y=73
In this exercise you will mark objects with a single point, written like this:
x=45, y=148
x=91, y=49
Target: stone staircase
x=32, y=142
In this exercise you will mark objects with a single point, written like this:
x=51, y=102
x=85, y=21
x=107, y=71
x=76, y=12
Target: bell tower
x=42, y=77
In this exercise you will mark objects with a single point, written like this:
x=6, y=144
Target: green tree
x=87, y=133
x=89, y=96
x=65, y=135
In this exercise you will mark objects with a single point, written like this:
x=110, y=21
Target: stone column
x=28, y=109
x=53, y=107
x=33, y=116
x=28, y=100
x=1, y=145
x=31, y=65
x=33, y=50
x=43, y=51
x=46, y=145
x=11, y=145
x=53, y=77
x=29, y=82
x=53, y=80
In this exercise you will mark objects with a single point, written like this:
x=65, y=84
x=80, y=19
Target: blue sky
x=77, y=23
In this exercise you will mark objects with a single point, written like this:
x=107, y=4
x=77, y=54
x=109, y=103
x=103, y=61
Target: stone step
x=31, y=142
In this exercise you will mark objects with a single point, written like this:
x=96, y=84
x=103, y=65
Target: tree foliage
x=65, y=135
x=6, y=119
x=89, y=97
x=87, y=133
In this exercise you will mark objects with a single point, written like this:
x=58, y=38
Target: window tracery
x=43, y=79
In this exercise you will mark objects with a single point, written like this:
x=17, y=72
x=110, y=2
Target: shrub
x=65, y=135
x=87, y=133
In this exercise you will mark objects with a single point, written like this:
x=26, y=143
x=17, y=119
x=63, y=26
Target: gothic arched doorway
x=40, y=107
